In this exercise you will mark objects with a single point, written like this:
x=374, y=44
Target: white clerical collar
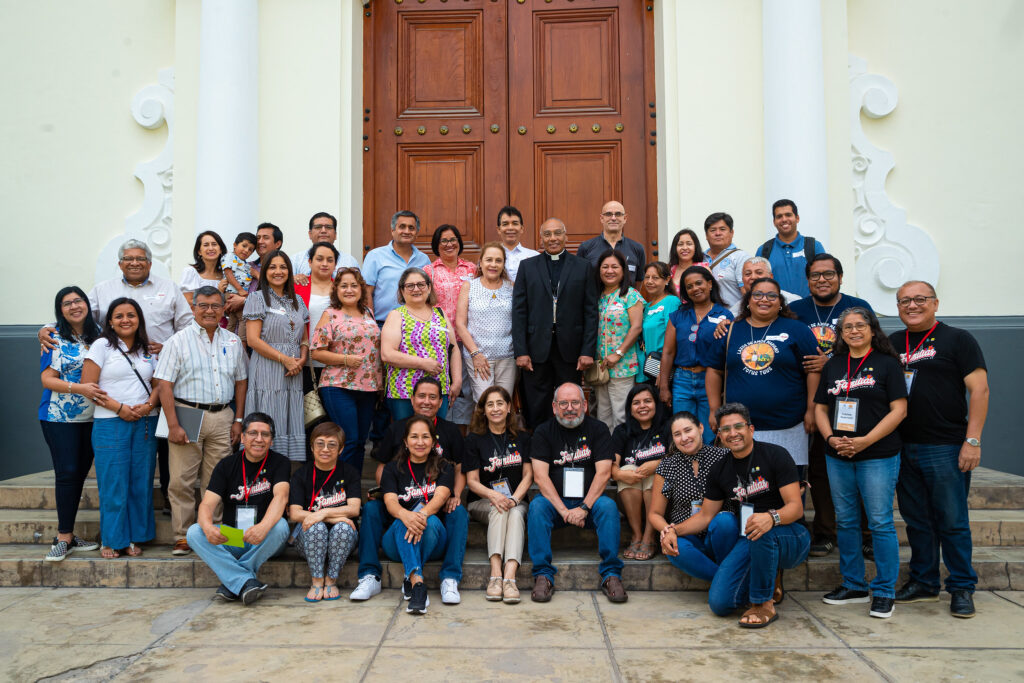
x=555, y=257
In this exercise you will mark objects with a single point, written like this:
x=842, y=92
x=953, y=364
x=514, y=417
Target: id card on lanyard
x=908, y=373
x=245, y=515
x=846, y=409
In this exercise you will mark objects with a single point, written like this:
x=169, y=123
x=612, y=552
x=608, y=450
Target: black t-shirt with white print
x=755, y=479
x=331, y=490
x=227, y=482
x=581, y=447
x=645, y=446
x=410, y=487
x=497, y=456
x=449, y=441
x=878, y=382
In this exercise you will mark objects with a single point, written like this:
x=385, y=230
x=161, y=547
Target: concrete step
x=999, y=568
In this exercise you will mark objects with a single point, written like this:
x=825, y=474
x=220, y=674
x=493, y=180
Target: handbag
x=652, y=365
x=312, y=407
x=596, y=375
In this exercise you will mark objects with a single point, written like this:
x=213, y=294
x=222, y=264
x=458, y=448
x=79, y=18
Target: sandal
x=630, y=552
x=764, y=615
x=646, y=551
x=331, y=592
x=109, y=553
x=317, y=594
x=780, y=590
x=134, y=550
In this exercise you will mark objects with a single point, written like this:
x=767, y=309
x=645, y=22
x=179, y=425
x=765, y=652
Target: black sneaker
x=881, y=607
x=822, y=547
x=913, y=591
x=418, y=601
x=84, y=545
x=868, y=551
x=406, y=589
x=252, y=591
x=961, y=604
x=844, y=596
x=224, y=594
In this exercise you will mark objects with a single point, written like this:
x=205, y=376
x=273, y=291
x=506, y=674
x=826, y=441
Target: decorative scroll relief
x=889, y=251
x=151, y=108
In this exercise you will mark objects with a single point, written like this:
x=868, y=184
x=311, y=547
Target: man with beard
x=572, y=462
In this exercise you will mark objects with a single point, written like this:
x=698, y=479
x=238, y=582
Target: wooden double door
x=547, y=105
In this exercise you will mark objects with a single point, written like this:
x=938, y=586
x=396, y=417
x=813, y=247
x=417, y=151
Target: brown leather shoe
x=612, y=587
x=542, y=589
x=181, y=547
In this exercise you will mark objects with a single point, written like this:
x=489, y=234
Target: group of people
x=432, y=361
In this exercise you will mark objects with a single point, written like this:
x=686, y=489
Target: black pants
x=71, y=450
x=163, y=465
x=539, y=386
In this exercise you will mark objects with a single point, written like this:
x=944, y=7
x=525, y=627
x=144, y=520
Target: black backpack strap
x=766, y=248
x=809, y=245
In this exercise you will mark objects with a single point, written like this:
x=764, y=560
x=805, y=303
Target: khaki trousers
x=506, y=530
x=192, y=464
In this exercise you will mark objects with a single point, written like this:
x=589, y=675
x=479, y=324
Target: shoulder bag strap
x=725, y=371
x=722, y=256
x=148, y=389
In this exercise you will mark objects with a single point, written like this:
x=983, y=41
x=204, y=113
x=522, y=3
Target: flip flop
x=109, y=553
x=134, y=550
x=316, y=591
x=648, y=549
x=337, y=593
x=761, y=613
x=630, y=552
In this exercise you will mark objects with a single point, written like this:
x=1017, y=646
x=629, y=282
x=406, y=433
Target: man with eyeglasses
x=252, y=485
x=613, y=222
x=323, y=227
x=554, y=320
x=820, y=312
x=789, y=251
x=202, y=367
x=755, y=268
x=572, y=463
x=941, y=445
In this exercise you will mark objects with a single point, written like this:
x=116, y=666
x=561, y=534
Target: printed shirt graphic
x=581, y=447
x=67, y=359
x=639, y=448
x=755, y=479
x=226, y=481
x=335, y=490
x=822, y=320
x=396, y=479
x=496, y=457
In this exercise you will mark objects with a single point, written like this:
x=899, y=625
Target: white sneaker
x=369, y=586
x=450, y=592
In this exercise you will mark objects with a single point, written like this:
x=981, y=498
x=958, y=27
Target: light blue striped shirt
x=203, y=371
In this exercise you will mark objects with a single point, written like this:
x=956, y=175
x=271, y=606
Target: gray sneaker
x=84, y=545
x=58, y=551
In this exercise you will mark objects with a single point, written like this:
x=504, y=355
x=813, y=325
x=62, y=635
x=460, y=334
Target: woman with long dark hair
x=205, y=270
x=619, y=325
x=65, y=413
x=684, y=252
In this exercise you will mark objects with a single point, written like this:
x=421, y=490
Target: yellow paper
x=234, y=536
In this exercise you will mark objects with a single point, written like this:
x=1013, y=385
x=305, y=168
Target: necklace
x=829, y=316
x=763, y=336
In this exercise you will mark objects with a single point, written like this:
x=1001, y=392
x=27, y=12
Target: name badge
x=502, y=487
x=278, y=311
x=572, y=482
x=695, y=507
x=846, y=415
x=746, y=509
x=908, y=377
x=245, y=516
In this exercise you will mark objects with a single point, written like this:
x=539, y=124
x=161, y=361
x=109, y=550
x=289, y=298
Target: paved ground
x=170, y=634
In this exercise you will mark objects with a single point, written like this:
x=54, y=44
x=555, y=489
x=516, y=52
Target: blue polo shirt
x=823, y=319
x=789, y=265
x=382, y=268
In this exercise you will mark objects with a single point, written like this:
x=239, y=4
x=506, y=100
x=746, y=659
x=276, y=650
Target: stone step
x=999, y=568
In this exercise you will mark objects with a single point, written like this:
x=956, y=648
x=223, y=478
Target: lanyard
x=315, y=492
x=746, y=482
x=245, y=479
x=849, y=377
x=500, y=447
x=423, y=489
x=906, y=358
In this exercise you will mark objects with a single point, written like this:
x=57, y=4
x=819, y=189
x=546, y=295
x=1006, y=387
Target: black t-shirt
x=331, y=491
x=878, y=382
x=937, y=402
x=397, y=479
x=823, y=319
x=227, y=482
x=581, y=447
x=755, y=479
x=449, y=441
x=496, y=457
x=649, y=444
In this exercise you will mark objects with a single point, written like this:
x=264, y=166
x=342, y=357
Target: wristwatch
x=618, y=352
x=971, y=441
x=775, y=517
x=239, y=420
x=584, y=507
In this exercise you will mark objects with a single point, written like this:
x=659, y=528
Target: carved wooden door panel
x=437, y=79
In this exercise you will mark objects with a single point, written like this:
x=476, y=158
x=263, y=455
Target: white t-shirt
x=191, y=281
x=318, y=303
x=117, y=377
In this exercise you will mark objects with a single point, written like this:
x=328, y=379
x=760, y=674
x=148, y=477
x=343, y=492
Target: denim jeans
x=401, y=408
x=125, y=460
x=700, y=557
x=234, y=566
x=456, y=527
x=603, y=518
x=413, y=555
x=747, y=574
x=688, y=393
x=71, y=451
x=373, y=520
x=353, y=412
x=932, y=493
x=874, y=482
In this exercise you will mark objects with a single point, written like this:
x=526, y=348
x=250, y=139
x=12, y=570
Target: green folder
x=234, y=536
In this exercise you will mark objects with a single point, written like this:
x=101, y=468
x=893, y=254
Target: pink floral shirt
x=447, y=283
x=345, y=334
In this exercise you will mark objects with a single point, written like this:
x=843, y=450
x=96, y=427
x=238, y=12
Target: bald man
x=613, y=223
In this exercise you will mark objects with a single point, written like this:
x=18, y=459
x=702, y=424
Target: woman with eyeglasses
x=759, y=363
x=860, y=401
x=417, y=340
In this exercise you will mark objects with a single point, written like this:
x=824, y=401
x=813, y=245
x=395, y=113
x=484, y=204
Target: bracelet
x=476, y=353
x=69, y=387
x=514, y=499
x=119, y=409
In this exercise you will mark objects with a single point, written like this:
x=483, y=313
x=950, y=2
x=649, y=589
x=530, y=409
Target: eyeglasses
x=448, y=242
x=209, y=307
x=415, y=285
x=321, y=444
x=613, y=214
x=769, y=296
x=134, y=259
x=73, y=302
x=323, y=227
x=552, y=233
x=828, y=275
x=253, y=434
x=738, y=427
x=858, y=327
x=576, y=403
x=919, y=300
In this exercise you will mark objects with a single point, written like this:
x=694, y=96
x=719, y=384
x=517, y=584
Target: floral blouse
x=613, y=326
x=346, y=334
x=448, y=283
x=67, y=359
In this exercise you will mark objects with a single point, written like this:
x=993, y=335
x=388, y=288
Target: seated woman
x=324, y=500
x=499, y=474
x=640, y=444
x=679, y=486
x=416, y=485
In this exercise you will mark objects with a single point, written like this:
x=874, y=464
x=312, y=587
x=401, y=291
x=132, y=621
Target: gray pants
x=326, y=547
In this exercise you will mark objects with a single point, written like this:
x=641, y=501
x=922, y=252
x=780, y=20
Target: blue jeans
x=456, y=527
x=353, y=412
x=688, y=393
x=414, y=555
x=234, y=566
x=125, y=461
x=932, y=493
x=700, y=557
x=603, y=518
x=401, y=408
x=874, y=482
x=71, y=451
x=373, y=519
x=747, y=574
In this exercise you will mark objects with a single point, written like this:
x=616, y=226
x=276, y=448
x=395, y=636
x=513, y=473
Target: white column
x=227, y=133
x=794, y=113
